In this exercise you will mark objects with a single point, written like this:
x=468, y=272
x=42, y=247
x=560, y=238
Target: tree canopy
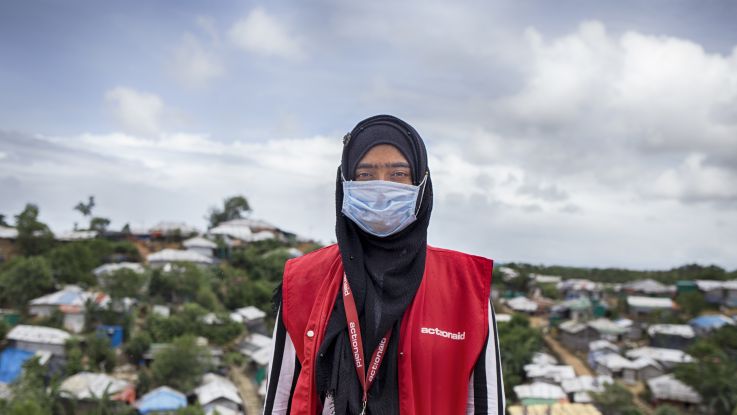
x=234, y=207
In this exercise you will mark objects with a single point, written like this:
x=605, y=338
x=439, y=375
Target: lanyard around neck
x=356, y=341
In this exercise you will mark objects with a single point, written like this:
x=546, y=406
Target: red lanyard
x=354, y=336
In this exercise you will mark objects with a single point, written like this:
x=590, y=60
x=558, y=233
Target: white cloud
x=696, y=181
x=261, y=33
x=137, y=111
x=195, y=62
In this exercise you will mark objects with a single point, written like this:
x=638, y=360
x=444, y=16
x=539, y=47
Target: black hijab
x=384, y=275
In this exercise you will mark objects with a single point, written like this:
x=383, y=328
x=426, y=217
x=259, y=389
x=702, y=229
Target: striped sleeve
x=283, y=371
x=486, y=386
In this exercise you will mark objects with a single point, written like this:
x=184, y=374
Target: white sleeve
x=486, y=385
x=283, y=371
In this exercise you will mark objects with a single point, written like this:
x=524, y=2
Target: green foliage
x=181, y=365
x=99, y=224
x=188, y=321
x=100, y=355
x=692, y=304
x=618, y=275
x=24, y=279
x=223, y=332
x=144, y=383
x=72, y=263
x=615, y=400
x=667, y=410
x=184, y=283
x=73, y=357
x=34, y=237
x=233, y=208
x=125, y=283
x=86, y=208
x=55, y=319
x=714, y=374
x=31, y=394
x=550, y=291
x=137, y=346
x=2, y=221
x=518, y=342
x=4, y=329
x=190, y=410
x=234, y=359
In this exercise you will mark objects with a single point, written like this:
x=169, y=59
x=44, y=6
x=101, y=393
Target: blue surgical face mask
x=379, y=207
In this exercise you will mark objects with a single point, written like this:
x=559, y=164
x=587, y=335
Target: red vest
x=441, y=335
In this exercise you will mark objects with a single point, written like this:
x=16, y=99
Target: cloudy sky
x=570, y=132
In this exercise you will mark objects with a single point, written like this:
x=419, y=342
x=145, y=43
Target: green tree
x=137, y=346
x=72, y=263
x=667, y=410
x=144, y=382
x=615, y=400
x=714, y=373
x=518, y=342
x=4, y=328
x=125, y=283
x=99, y=224
x=25, y=279
x=233, y=208
x=692, y=303
x=100, y=355
x=190, y=410
x=168, y=367
x=31, y=394
x=86, y=208
x=2, y=221
x=73, y=358
x=34, y=237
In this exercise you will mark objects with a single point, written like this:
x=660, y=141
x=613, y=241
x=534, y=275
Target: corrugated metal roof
x=606, y=326
x=199, y=242
x=557, y=373
x=681, y=330
x=106, y=269
x=613, y=361
x=8, y=233
x=251, y=313
x=660, y=354
x=602, y=344
x=216, y=387
x=86, y=385
x=555, y=409
x=667, y=387
x=586, y=384
x=648, y=286
x=71, y=295
x=178, y=255
x=649, y=302
x=539, y=390
x=522, y=304
x=38, y=334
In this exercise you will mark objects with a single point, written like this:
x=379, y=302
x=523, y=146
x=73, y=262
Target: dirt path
x=251, y=400
x=567, y=357
x=641, y=405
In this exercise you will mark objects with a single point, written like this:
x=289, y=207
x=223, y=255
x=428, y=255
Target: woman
x=381, y=323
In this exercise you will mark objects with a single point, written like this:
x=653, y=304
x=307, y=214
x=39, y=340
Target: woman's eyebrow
x=400, y=164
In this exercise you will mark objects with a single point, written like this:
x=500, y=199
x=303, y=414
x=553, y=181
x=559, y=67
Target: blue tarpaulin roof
x=11, y=363
x=162, y=398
